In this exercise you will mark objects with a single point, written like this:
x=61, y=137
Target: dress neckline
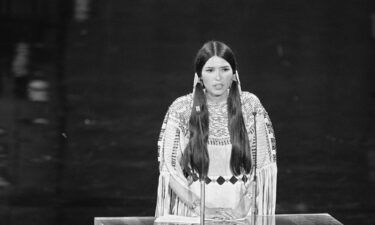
x=217, y=103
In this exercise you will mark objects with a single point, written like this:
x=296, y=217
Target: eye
x=209, y=70
x=225, y=69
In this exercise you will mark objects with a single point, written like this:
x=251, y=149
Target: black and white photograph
x=158, y=112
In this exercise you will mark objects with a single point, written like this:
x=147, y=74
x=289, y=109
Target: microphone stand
x=202, y=178
x=202, y=209
x=254, y=210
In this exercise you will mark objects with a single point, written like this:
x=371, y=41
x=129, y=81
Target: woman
x=209, y=134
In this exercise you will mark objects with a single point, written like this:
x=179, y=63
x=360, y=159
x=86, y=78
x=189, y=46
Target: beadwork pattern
x=180, y=112
x=174, y=137
x=221, y=180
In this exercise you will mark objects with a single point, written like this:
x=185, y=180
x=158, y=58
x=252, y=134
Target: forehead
x=216, y=61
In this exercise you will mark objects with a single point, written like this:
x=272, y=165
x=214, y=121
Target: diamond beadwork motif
x=220, y=180
x=233, y=179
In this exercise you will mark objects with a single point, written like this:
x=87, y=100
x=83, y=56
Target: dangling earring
x=201, y=82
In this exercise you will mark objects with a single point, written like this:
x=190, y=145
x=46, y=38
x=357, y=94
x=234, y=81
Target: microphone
x=202, y=178
x=254, y=210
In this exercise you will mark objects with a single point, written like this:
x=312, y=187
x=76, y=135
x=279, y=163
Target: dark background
x=84, y=86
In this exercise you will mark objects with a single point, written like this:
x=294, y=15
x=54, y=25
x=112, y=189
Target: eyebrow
x=209, y=67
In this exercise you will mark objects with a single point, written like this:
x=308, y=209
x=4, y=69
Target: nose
x=218, y=75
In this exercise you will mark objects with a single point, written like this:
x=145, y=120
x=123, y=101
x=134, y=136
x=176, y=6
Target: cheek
x=205, y=78
x=229, y=79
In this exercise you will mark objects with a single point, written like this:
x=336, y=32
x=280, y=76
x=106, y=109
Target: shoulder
x=180, y=108
x=181, y=104
x=250, y=102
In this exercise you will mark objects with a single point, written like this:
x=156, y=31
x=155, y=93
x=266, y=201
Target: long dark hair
x=195, y=158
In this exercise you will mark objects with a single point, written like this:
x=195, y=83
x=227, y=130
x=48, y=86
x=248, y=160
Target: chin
x=218, y=93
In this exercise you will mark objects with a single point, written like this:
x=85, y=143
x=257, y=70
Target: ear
x=234, y=78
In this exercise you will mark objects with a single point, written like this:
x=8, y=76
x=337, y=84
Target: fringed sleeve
x=266, y=186
x=173, y=196
x=265, y=146
x=267, y=168
x=163, y=199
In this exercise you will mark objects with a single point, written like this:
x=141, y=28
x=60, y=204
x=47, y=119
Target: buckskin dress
x=223, y=189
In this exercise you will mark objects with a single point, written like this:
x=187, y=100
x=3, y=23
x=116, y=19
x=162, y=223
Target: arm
x=266, y=158
x=172, y=182
x=178, y=183
x=266, y=165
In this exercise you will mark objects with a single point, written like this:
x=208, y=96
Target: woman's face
x=217, y=76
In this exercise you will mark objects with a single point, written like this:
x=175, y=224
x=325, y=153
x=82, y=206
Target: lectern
x=280, y=219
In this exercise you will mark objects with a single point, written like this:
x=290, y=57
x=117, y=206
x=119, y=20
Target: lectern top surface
x=280, y=219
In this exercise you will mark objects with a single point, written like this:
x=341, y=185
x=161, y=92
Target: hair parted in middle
x=195, y=158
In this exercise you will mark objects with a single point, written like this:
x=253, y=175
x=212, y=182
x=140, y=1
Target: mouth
x=218, y=86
